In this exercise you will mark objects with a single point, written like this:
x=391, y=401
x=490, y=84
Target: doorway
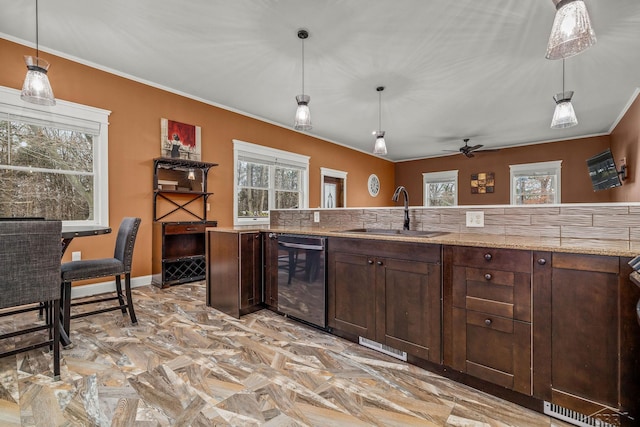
x=333, y=188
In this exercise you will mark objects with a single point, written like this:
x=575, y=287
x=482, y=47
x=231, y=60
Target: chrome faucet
x=396, y=194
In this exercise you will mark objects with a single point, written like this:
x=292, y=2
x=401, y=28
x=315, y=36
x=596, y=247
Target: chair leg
x=119, y=292
x=55, y=323
x=127, y=287
x=66, y=312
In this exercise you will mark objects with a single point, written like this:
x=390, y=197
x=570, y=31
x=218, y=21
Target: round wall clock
x=373, y=185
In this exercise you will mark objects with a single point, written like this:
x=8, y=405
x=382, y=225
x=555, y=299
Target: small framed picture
x=179, y=140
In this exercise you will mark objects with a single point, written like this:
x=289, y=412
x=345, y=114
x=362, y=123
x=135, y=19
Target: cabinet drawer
x=185, y=228
x=490, y=321
x=490, y=276
x=489, y=307
x=497, y=259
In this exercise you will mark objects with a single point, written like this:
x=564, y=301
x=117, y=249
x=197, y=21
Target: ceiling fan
x=468, y=150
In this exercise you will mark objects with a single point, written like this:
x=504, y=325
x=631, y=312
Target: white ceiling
x=452, y=69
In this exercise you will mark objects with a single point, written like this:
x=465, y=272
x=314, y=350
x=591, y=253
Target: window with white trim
x=53, y=161
x=440, y=188
x=267, y=178
x=535, y=183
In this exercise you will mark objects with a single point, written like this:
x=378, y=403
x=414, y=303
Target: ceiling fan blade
x=476, y=147
x=468, y=154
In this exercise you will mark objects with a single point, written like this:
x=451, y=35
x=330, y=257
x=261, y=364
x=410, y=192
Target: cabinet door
x=222, y=272
x=408, y=299
x=250, y=271
x=270, y=245
x=351, y=299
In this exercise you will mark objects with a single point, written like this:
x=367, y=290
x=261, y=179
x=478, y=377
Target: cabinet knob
x=370, y=261
x=488, y=276
x=487, y=322
x=272, y=235
x=542, y=261
x=379, y=262
x=488, y=257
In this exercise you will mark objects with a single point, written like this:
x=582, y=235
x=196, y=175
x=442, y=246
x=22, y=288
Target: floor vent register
x=390, y=351
x=577, y=418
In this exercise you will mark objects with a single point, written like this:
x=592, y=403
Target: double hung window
x=535, y=183
x=440, y=188
x=267, y=178
x=53, y=161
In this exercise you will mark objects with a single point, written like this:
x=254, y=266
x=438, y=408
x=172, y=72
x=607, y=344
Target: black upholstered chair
x=29, y=280
x=118, y=266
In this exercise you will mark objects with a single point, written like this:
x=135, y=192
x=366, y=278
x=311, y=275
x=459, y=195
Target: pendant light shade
x=564, y=116
x=571, y=32
x=380, y=146
x=303, y=114
x=36, y=88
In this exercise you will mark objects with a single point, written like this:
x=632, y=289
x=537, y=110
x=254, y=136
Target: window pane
x=441, y=194
x=36, y=146
x=287, y=179
x=253, y=203
x=252, y=175
x=50, y=195
x=535, y=189
x=287, y=200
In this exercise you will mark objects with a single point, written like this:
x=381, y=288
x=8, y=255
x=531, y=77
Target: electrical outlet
x=76, y=256
x=475, y=219
x=316, y=217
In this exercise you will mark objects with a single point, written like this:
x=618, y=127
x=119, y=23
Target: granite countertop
x=583, y=246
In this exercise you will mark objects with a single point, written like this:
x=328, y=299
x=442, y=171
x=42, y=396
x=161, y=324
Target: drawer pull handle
x=488, y=276
x=488, y=257
x=379, y=262
x=542, y=261
x=370, y=261
x=192, y=228
x=487, y=322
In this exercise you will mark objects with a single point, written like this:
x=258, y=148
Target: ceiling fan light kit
x=571, y=32
x=380, y=146
x=303, y=114
x=36, y=88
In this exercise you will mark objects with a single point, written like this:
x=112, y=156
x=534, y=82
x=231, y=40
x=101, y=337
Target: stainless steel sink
x=392, y=232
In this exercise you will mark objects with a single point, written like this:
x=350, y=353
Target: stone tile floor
x=186, y=364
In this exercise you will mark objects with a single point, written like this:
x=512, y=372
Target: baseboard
x=103, y=287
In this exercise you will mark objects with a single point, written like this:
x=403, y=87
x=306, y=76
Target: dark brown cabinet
x=234, y=271
x=586, y=339
x=488, y=315
x=270, y=270
x=178, y=254
x=387, y=292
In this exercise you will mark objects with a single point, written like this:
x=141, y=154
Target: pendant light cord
x=563, y=77
x=37, y=48
x=303, y=66
x=379, y=110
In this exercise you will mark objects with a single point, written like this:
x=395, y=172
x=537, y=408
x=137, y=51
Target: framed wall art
x=179, y=140
x=482, y=182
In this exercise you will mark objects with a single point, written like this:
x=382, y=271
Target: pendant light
x=380, y=147
x=564, y=116
x=36, y=88
x=571, y=32
x=303, y=115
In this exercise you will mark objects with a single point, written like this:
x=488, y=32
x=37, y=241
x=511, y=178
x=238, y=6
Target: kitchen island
x=548, y=323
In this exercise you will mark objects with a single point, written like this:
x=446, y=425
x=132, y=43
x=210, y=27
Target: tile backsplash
x=595, y=221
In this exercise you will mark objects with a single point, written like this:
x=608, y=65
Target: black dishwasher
x=302, y=291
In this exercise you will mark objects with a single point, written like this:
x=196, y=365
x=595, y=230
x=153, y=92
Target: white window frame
x=333, y=173
x=435, y=177
x=76, y=116
x=243, y=149
x=551, y=168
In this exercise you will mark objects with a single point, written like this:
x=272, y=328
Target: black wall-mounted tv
x=603, y=172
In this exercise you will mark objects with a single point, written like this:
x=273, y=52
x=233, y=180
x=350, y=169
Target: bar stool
x=118, y=266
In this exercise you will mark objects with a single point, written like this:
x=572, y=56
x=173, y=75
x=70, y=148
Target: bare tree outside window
x=45, y=171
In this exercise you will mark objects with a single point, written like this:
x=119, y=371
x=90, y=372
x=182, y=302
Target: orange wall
x=134, y=140
x=576, y=184
x=624, y=143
